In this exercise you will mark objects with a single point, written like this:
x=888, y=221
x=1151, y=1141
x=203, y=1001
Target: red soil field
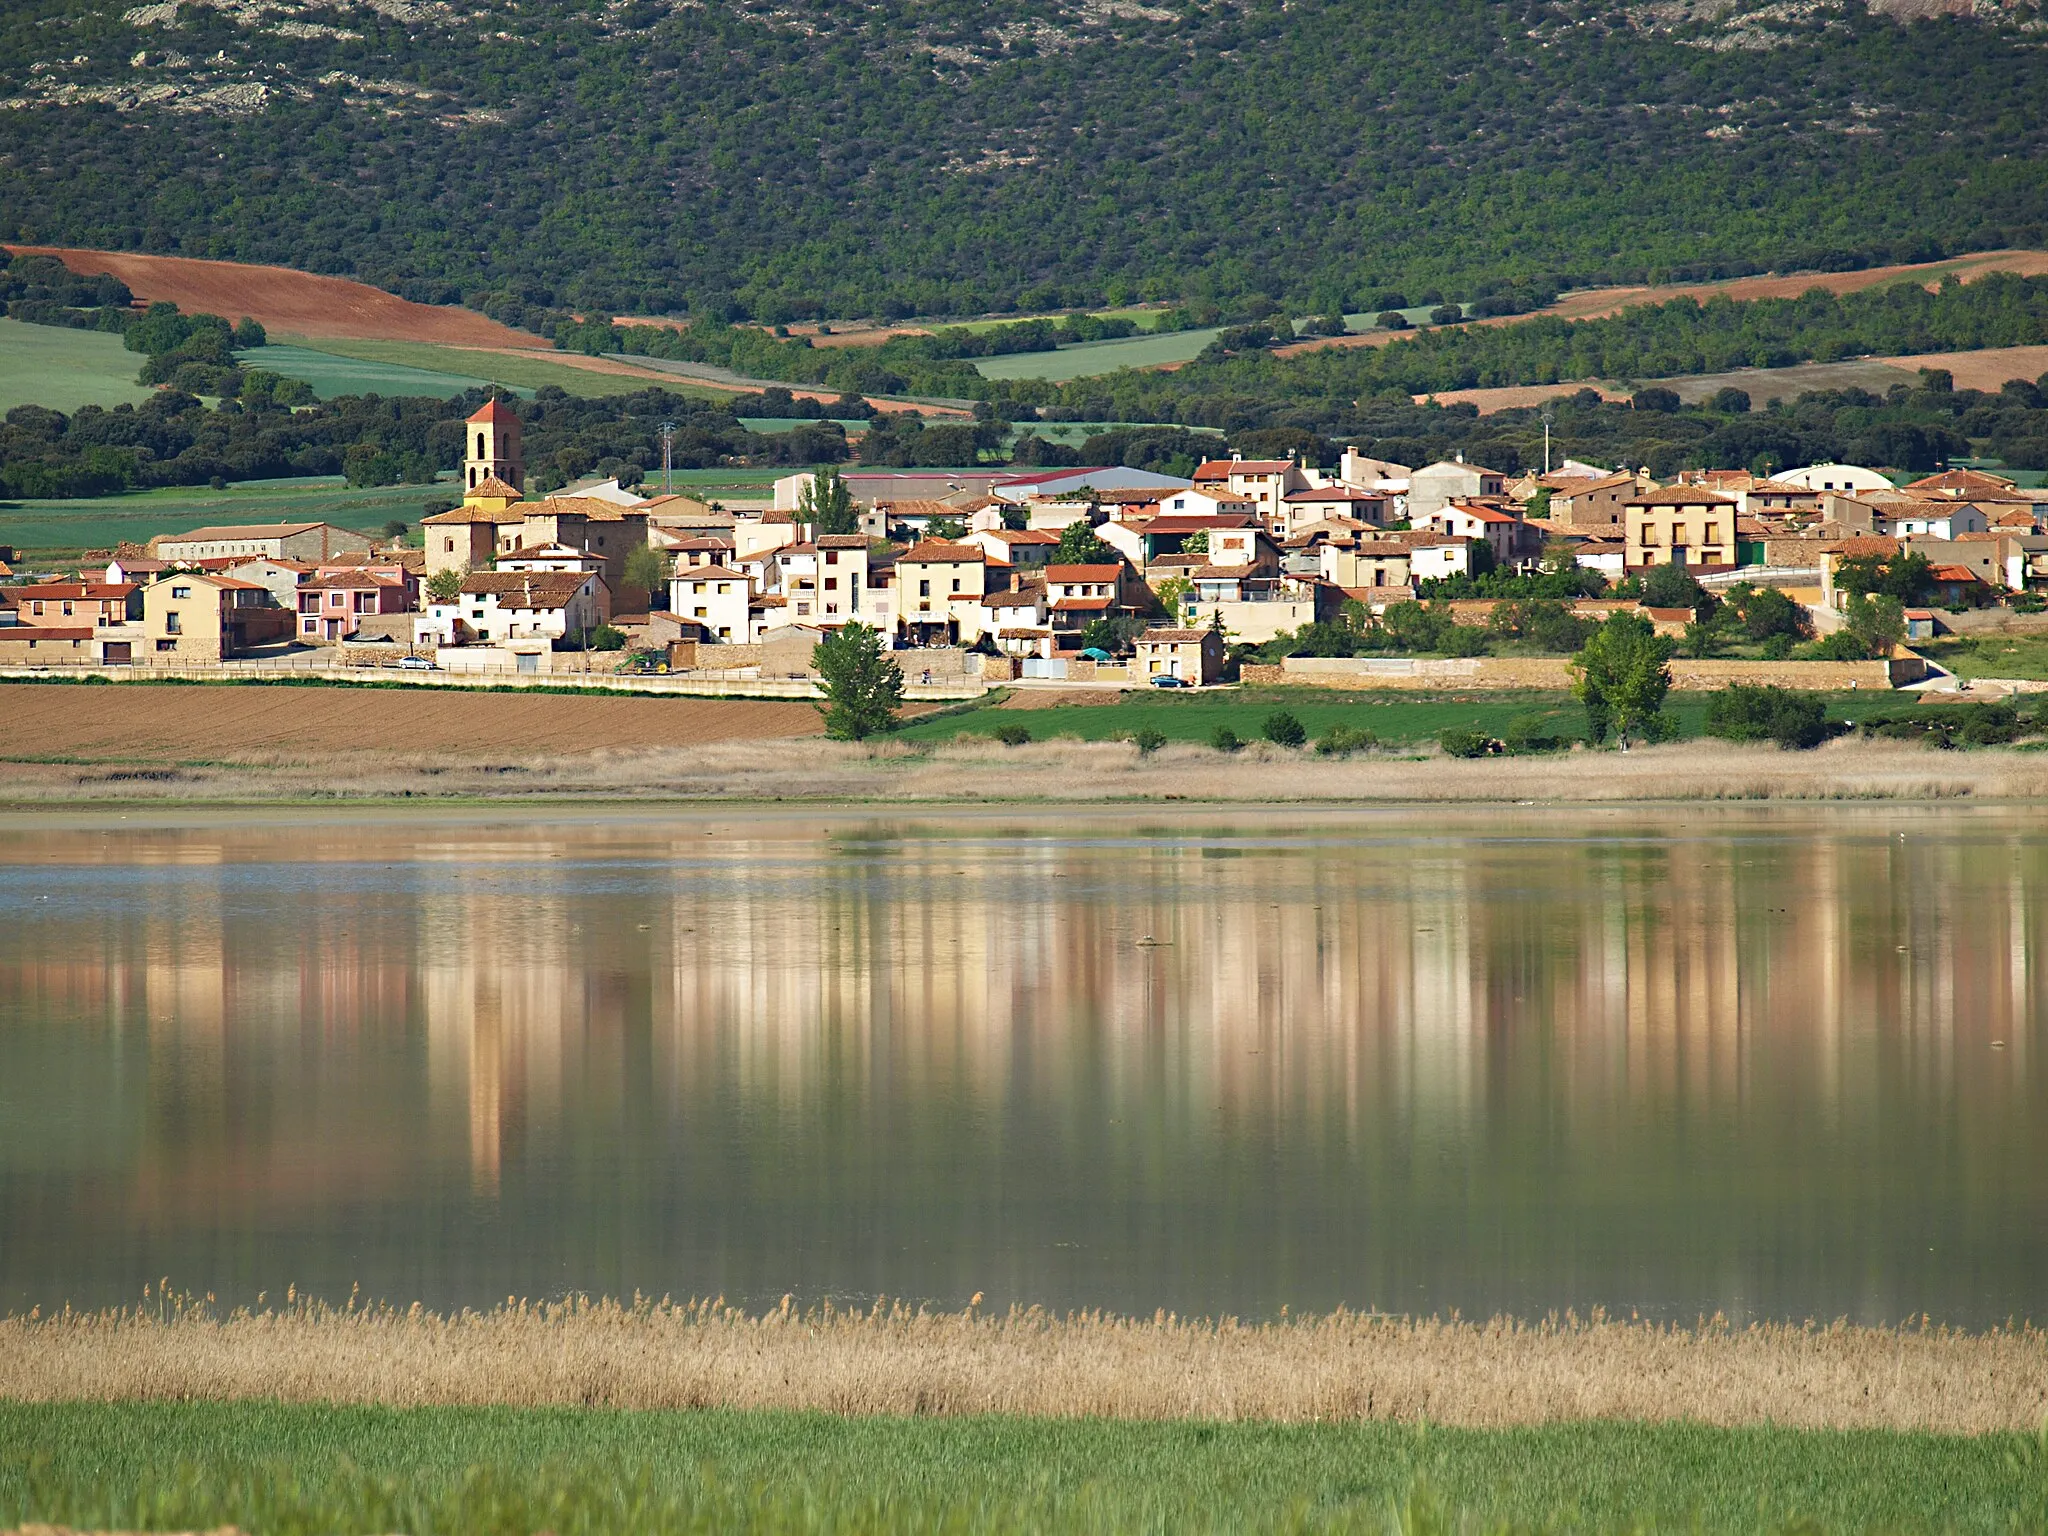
x=299, y=303
x=129, y=723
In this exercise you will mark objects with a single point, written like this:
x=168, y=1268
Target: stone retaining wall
x=1414, y=673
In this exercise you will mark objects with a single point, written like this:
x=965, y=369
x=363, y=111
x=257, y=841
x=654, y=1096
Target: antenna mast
x=668, y=447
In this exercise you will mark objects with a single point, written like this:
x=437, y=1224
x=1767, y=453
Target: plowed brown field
x=1981, y=370
x=284, y=300
x=128, y=723
x=1597, y=303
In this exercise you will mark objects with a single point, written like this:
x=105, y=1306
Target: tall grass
x=894, y=1359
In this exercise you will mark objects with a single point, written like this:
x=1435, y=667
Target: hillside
x=791, y=158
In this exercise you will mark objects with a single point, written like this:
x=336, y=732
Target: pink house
x=332, y=606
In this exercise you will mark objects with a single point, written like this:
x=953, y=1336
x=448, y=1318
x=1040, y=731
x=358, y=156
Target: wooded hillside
x=810, y=158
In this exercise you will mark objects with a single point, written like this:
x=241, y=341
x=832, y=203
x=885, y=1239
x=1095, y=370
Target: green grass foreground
x=267, y=1468
x=1394, y=717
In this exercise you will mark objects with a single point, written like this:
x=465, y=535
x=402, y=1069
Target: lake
x=1766, y=1062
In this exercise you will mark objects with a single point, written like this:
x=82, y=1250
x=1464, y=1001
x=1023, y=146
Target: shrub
x=1952, y=725
x=1013, y=735
x=605, y=638
x=1839, y=646
x=1393, y=320
x=1283, y=729
x=1526, y=737
x=1148, y=740
x=1343, y=740
x=1467, y=744
x=1226, y=740
x=1795, y=721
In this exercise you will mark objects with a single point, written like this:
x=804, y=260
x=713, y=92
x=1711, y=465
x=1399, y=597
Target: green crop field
x=64, y=369
x=264, y=1467
x=1994, y=655
x=517, y=371
x=1087, y=359
x=56, y=529
x=331, y=374
x=771, y=425
x=1075, y=433
x=1394, y=717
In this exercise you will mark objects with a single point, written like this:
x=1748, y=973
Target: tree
x=445, y=586
x=1196, y=543
x=1669, y=586
x=395, y=530
x=863, y=684
x=1172, y=593
x=1080, y=546
x=1116, y=634
x=827, y=504
x=646, y=569
x=1742, y=713
x=1909, y=577
x=1876, y=622
x=1621, y=677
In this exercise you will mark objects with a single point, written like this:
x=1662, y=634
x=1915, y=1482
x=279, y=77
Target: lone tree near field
x=827, y=504
x=1621, y=677
x=863, y=684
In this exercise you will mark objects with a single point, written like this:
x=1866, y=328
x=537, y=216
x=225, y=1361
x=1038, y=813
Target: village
x=1106, y=575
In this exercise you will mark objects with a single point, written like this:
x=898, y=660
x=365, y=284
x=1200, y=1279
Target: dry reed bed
x=898, y=1360
x=811, y=769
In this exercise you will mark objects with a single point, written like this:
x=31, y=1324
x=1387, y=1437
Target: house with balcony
x=332, y=607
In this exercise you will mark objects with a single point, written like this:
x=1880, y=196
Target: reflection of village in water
x=1744, y=1056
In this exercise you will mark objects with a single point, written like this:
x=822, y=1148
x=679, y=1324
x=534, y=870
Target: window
x=336, y=599
x=956, y=583
x=924, y=589
x=67, y=610
x=173, y=624
x=39, y=606
x=181, y=591
x=167, y=645
x=831, y=583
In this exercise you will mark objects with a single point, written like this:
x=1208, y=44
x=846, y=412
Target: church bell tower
x=491, y=448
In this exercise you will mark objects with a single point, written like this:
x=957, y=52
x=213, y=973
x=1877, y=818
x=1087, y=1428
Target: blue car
x=1171, y=682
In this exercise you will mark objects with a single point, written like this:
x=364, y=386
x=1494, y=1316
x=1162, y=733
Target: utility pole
x=1549, y=415
x=668, y=448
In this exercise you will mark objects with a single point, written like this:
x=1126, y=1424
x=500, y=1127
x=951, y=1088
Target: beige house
x=280, y=541
x=939, y=588
x=1436, y=486
x=466, y=538
x=716, y=597
x=194, y=616
x=1192, y=655
x=1681, y=525
x=826, y=580
x=1594, y=506
x=1378, y=564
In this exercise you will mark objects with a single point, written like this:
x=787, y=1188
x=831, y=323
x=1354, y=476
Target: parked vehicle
x=1171, y=682
x=416, y=664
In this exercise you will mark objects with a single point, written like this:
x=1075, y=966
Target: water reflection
x=1768, y=1063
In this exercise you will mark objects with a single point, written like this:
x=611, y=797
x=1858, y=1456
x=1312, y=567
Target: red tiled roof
x=87, y=591
x=1083, y=604
x=1681, y=496
x=496, y=414
x=1174, y=636
x=1067, y=574
x=933, y=552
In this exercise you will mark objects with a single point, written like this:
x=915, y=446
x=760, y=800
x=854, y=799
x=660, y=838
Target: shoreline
x=812, y=772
